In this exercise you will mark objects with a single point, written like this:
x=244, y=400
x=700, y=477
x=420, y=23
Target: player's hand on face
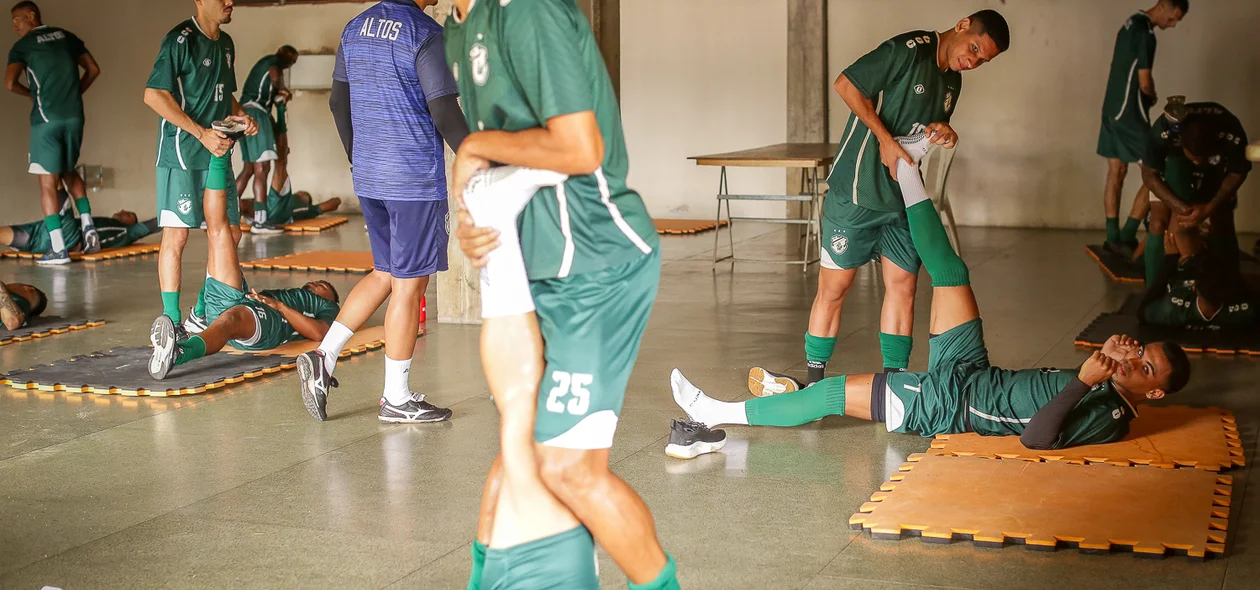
x=476, y=242
x=1120, y=346
x=216, y=142
x=890, y=152
x=942, y=134
x=1098, y=368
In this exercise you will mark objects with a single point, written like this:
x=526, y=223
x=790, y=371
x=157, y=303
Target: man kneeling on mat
x=20, y=303
x=960, y=391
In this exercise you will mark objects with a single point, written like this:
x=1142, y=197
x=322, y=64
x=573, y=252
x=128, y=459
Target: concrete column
x=605, y=17
x=807, y=84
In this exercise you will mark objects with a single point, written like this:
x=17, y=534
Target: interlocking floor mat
x=45, y=326
x=317, y=260
x=1125, y=321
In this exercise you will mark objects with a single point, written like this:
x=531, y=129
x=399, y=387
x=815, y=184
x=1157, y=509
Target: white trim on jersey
x=1128, y=87
x=605, y=195
x=879, y=106
x=198, y=25
x=265, y=79
x=161, y=141
x=566, y=262
x=998, y=418
x=852, y=130
x=39, y=102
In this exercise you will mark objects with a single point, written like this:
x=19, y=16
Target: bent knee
x=570, y=472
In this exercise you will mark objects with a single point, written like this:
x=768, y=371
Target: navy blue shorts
x=408, y=237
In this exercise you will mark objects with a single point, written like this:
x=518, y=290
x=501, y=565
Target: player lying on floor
x=122, y=229
x=1200, y=286
x=20, y=303
x=960, y=391
x=285, y=206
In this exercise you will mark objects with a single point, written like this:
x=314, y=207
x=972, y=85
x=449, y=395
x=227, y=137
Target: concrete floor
x=243, y=489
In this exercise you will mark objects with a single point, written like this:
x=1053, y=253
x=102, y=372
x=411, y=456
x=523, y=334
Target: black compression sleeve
x=339, y=103
x=1046, y=425
x=152, y=224
x=449, y=120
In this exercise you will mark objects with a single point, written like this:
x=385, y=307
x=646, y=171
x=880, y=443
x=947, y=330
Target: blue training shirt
x=397, y=154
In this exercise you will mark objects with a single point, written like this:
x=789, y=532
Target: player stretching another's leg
x=961, y=391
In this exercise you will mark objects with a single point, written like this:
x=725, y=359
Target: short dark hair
x=1184, y=5
x=1179, y=376
x=287, y=51
x=993, y=24
x=336, y=296
x=27, y=5
x=38, y=308
x=1201, y=135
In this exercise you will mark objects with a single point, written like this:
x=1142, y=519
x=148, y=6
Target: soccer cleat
x=53, y=258
x=91, y=240
x=414, y=411
x=316, y=381
x=763, y=383
x=162, y=335
x=688, y=439
x=194, y=324
x=266, y=229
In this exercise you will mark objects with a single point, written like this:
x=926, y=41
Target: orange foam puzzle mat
x=317, y=260
x=684, y=226
x=104, y=254
x=316, y=224
x=1094, y=508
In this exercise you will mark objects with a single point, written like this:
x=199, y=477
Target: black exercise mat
x=1125, y=321
x=45, y=326
x=125, y=371
x=1123, y=270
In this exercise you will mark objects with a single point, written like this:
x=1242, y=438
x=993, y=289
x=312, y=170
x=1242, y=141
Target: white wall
x=121, y=131
x=1028, y=122
x=700, y=77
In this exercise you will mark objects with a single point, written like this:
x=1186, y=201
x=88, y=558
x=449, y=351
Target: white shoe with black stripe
x=315, y=381
x=165, y=347
x=414, y=411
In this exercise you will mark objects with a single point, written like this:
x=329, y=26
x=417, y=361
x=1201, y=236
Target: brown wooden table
x=812, y=158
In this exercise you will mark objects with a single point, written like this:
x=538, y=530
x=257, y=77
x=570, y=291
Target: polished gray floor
x=243, y=489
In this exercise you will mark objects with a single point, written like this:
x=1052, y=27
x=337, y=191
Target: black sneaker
x=316, y=381
x=688, y=440
x=194, y=324
x=763, y=383
x=415, y=411
x=234, y=130
x=165, y=347
x=266, y=229
x=54, y=258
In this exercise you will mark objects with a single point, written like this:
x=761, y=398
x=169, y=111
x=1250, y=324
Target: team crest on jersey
x=185, y=206
x=1116, y=413
x=919, y=89
x=480, y=64
x=206, y=62
x=949, y=100
x=839, y=244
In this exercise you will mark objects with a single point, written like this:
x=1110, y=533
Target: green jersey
x=1179, y=307
x=51, y=58
x=116, y=234
x=519, y=64
x=1135, y=51
x=310, y=304
x=910, y=92
x=1003, y=402
x=258, y=88
x=198, y=72
x=1164, y=145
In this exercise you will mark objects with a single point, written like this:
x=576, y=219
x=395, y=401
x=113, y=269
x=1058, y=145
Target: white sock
x=86, y=218
x=912, y=191
x=397, y=388
x=495, y=198
x=703, y=408
x=335, y=340
x=58, y=243
x=287, y=189
x=260, y=213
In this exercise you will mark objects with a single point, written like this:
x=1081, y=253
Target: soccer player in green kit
x=1194, y=167
x=191, y=86
x=961, y=391
x=909, y=83
x=263, y=89
x=122, y=229
x=537, y=94
x=1200, y=288
x=51, y=59
x=19, y=304
x=35, y=236
x=1125, y=115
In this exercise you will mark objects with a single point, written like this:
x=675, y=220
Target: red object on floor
x=424, y=316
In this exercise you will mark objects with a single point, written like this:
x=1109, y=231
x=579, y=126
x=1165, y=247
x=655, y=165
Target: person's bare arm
x=91, y=71
x=1147, y=83
x=1229, y=187
x=864, y=108
x=12, y=80
x=277, y=81
x=163, y=103
x=308, y=328
x=1154, y=181
x=10, y=315
x=570, y=144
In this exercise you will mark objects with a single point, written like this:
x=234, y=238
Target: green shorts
x=288, y=208
x=1122, y=140
x=55, y=146
x=591, y=324
x=270, y=327
x=933, y=403
x=33, y=237
x=180, y=195
x=260, y=147
x=853, y=235
x=565, y=561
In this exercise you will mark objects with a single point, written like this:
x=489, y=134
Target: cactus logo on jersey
x=480, y=64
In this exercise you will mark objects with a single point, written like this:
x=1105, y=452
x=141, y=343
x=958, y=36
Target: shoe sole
x=693, y=450
x=162, y=337
x=758, y=379
x=306, y=375
x=266, y=232
x=400, y=420
x=57, y=262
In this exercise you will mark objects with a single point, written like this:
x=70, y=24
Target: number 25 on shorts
x=570, y=383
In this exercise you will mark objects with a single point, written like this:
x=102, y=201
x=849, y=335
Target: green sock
x=170, y=305
x=218, y=177
x=896, y=350
x=478, y=562
x=1128, y=233
x=83, y=206
x=1154, y=256
x=825, y=398
x=191, y=350
x=1113, y=229
x=818, y=349
x=666, y=580
x=52, y=222
x=939, y=258
x=200, y=309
